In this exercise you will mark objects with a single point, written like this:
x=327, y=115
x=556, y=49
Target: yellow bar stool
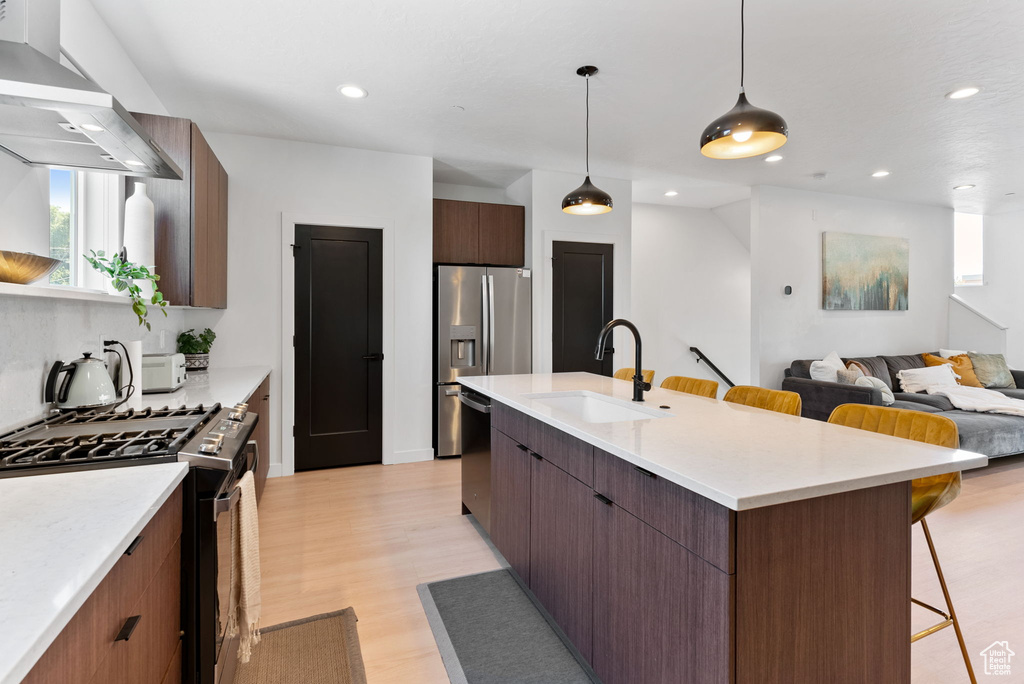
x=627, y=374
x=927, y=493
x=698, y=386
x=779, y=401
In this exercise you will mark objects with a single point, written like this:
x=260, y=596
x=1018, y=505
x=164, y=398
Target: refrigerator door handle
x=490, y=324
x=485, y=318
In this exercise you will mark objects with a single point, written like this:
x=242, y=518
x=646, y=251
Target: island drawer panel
x=699, y=524
x=564, y=451
x=513, y=423
x=620, y=481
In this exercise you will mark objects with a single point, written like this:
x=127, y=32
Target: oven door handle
x=223, y=504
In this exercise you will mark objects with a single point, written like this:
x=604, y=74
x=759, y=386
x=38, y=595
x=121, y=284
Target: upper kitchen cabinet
x=477, y=233
x=191, y=216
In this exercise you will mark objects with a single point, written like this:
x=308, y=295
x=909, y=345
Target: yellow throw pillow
x=962, y=366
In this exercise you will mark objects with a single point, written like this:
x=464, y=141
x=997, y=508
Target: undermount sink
x=592, y=407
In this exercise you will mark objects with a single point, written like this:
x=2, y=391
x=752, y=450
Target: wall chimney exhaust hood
x=51, y=116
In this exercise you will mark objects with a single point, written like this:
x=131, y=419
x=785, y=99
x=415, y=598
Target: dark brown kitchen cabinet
x=618, y=595
x=259, y=403
x=561, y=550
x=143, y=588
x=191, y=216
x=479, y=233
x=510, y=502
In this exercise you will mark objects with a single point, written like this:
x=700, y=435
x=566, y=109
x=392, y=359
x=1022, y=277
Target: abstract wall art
x=864, y=272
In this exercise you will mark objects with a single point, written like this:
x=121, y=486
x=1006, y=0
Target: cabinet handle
x=644, y=472
x=521, y=447
x=536, y=456
x=603, y=499
x=134, y=545
x=129, y=626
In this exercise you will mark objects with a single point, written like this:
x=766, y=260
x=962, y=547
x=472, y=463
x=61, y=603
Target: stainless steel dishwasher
x=476, y=456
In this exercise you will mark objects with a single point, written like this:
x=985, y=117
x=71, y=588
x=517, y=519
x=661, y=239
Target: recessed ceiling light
x=134, y=162
x=671, y=193
x=773, y=158
x=962, y=93
x=963, y=187
x=353, y=91
x=880, y=174
x=93, y=128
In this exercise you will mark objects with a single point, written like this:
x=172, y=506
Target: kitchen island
x=690, y=540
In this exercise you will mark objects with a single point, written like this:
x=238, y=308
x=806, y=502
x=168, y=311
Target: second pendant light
x=745, y=130
x=588, y=199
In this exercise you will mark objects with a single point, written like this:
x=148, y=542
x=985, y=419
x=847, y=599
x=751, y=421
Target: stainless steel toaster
x=162, y=372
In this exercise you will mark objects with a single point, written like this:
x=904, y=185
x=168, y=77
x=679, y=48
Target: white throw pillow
x=920, y=379
x=828, y=368
x=950, y=353
x=868, y=381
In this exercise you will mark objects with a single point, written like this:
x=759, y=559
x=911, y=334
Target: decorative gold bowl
x=24, y=268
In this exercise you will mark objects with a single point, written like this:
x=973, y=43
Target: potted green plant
x=196, y=348
x=125, y=277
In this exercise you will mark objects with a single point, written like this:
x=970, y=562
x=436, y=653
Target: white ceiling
x=489, y=89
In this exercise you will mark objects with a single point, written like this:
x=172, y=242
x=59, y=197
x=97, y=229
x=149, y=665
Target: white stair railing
x=972, y=330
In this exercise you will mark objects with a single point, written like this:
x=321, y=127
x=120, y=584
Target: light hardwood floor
x=366, y=536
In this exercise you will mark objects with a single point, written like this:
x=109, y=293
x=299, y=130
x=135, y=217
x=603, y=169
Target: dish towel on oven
x=244, y=615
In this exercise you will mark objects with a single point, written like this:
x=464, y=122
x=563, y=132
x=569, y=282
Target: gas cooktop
x=102, y=437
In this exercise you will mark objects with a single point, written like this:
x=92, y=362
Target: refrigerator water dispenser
x=463, y=341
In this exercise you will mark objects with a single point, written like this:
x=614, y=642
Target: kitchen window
x=64, y=233
x=968, y=249
x=85, y=214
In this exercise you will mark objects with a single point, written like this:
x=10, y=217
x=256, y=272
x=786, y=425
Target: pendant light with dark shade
x=745, y=130
x=588, y=199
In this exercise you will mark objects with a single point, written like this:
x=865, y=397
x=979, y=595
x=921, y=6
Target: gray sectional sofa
x=985, y=433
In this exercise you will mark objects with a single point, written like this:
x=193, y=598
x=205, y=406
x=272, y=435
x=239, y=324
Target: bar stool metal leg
x=951, y=617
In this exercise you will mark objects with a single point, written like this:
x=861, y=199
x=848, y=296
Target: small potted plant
x=125, y=277
x=196, y=348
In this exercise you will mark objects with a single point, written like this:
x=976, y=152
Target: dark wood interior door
x=582, y=304
x=339, y=343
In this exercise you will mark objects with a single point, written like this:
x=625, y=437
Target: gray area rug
x=489, y=631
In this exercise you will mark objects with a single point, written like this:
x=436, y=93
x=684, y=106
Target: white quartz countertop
x=738, y=456
x=228, y=386
x=59, y=537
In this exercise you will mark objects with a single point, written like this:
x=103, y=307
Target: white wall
x=691, y=287
x=786, y=228
x=542, y=193
x=470, y=193
x=999, y=298
x=269, y=177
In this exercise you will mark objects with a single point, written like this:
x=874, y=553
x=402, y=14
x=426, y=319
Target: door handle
x=485, y=337
x=490, y=324
x=374, y=357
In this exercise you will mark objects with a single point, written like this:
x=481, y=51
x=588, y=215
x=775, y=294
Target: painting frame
x=862, y=272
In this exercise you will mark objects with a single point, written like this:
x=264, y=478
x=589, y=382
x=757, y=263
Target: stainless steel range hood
x=51, y=116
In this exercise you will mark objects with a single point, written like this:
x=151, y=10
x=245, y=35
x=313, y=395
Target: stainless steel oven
x=225, y=511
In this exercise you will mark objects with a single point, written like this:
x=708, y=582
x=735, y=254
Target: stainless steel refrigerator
x=483, y=327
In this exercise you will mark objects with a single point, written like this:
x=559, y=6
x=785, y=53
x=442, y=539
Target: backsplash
x=35, y=332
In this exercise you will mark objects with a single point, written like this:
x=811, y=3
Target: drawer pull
x=134, y=545
x=603, y=499
x=129, y=626
x=521, y=447
x=536, y=456
x=643, y=471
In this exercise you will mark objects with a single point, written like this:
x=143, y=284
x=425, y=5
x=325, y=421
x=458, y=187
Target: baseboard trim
x=410, y=456
x=275, y=470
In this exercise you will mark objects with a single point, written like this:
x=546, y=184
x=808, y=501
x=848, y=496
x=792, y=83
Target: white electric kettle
x=86, y=385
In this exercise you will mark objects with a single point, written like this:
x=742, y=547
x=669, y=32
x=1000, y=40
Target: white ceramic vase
x=139, y=241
